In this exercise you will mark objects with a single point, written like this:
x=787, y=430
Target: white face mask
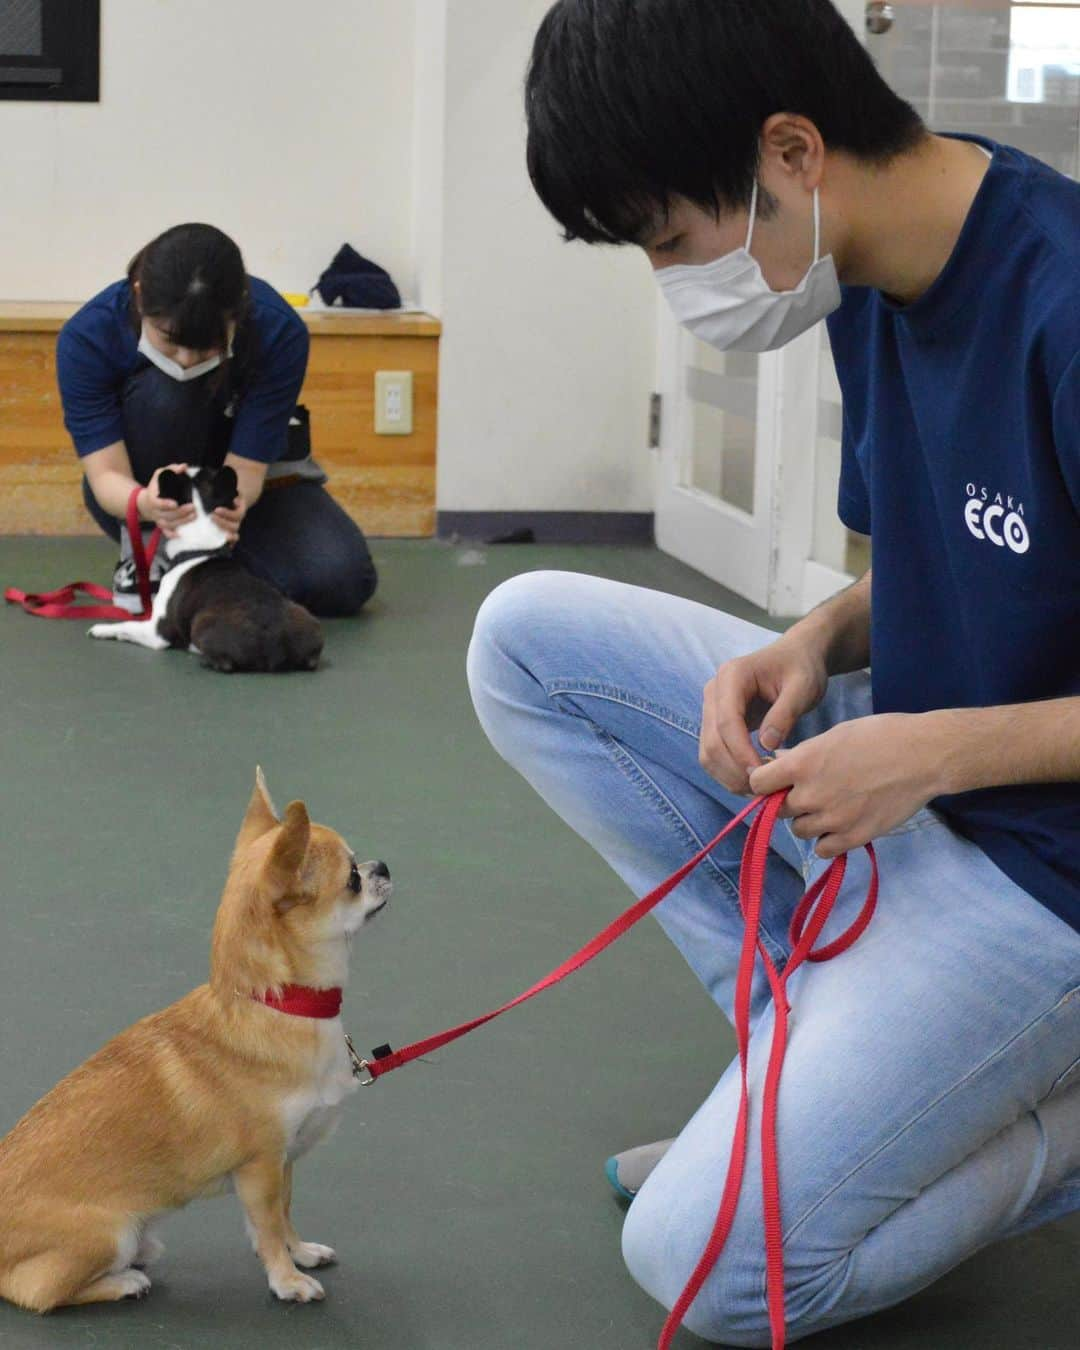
x=728, y=302
x=173, y=368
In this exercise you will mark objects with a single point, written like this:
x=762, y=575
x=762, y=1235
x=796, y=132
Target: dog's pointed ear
x=217, y=487
x=286, y=860
x=226, y=487
x=261, y=816
x=175, y=486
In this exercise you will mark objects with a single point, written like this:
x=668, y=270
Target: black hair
x=630, y=103
x=193, y=284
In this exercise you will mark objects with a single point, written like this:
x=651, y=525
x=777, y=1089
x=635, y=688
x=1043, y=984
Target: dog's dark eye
x=355, y=880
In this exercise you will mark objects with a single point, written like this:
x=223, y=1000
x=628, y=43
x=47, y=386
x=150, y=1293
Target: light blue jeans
x=930, y=1102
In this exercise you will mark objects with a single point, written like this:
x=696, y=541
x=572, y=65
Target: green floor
x=466, y=1198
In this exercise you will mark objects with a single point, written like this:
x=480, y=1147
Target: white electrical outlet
x=393, y=402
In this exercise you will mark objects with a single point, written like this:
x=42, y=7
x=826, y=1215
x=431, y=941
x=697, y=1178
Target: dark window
x=49, y=50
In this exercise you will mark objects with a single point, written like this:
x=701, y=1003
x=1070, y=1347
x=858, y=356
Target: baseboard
x=548, y=527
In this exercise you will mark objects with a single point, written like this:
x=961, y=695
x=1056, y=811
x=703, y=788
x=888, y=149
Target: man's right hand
x=165, y=513
x=768, y=690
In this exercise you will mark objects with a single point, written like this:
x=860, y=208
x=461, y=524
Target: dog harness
x=202, y=554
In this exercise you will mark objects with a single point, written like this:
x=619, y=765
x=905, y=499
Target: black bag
x=298, y=445
x=358, y=282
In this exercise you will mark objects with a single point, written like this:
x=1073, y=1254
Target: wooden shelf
x=386, y=483
x=325, y=323
x=49, y=316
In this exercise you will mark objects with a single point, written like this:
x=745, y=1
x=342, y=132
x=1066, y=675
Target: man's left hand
x=229, y=518
x=856, y=781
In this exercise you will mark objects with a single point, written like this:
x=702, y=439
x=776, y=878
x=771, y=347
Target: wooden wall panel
x=386, y=483
x=340, y=391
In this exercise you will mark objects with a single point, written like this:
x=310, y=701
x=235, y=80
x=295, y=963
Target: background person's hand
x=768, y=689
x=856, y=781
x=230, y=517
x=165, y=513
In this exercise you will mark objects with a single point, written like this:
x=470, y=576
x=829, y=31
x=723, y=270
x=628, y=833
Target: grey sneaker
x=125, y=586
x=627, y=1171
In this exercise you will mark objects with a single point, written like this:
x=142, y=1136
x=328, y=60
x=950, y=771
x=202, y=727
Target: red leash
x=61, y=604
x=807, y=923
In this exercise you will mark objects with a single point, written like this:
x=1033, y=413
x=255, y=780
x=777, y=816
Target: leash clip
x=360, y=1066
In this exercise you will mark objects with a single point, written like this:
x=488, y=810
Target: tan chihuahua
x=224, y=1089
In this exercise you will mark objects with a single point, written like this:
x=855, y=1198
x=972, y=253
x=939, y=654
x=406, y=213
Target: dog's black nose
x=381, y=870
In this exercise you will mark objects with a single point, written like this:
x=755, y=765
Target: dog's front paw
x=133, y=1283
x=297, y=1288
x=312, y=1254
x=101, y=630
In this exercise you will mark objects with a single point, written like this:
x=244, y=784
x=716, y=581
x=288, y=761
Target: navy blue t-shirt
x=961, y=458
x=98, y=349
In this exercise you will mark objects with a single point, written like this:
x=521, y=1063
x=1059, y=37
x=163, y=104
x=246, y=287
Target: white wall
x=429, y=152
x=288, y=125
x=396, y=126
x=548, y=347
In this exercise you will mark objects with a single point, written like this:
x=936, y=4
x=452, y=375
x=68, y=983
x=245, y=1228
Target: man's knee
x=662, y=1241
x=530, y=611
x=514, y=606
x=503, y=649
x=510, y=615
x=503, y=619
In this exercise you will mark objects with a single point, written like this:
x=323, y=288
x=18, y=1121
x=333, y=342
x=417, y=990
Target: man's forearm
x=840, y=628
x=112, y=489
x=997, y=747
x=108, y=471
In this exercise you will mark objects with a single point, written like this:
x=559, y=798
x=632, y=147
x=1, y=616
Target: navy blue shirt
x=961, y=458
x=98, y=349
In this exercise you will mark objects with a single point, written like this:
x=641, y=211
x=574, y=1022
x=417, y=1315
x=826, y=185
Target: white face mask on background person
x=729, y=304
x=173, y=368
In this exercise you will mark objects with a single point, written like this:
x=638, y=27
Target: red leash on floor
x=809, y=919
x=61, y=604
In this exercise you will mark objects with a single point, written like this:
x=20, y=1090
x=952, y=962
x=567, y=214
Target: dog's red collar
x=300, y=1001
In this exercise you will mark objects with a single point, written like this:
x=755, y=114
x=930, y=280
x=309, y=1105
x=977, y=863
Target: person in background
x=930, y=1102
x=190, y=362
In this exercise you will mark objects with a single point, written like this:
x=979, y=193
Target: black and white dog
x=209, y=603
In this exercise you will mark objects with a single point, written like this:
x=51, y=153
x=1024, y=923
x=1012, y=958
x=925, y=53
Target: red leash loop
x=808, y=921
x=143, y=556
x=62, y=603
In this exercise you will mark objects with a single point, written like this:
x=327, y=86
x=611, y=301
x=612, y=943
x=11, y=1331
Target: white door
x=749, y=456
x=733, y=480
